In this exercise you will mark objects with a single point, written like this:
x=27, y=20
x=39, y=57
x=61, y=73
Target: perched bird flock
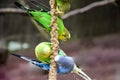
x=65, y=63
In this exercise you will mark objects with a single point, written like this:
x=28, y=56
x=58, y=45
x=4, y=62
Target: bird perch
x=54, y=41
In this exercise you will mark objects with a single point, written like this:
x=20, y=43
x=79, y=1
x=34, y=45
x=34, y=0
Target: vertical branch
x=54, y=40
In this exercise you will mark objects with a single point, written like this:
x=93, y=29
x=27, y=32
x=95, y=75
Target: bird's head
x=63, y=6
x=65, y=35
x=65, y=63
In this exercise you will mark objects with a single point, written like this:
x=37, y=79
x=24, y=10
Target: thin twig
x=67, y=15
x=87, y=8
x=12, y=10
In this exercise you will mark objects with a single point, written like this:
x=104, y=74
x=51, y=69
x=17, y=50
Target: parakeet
x=63, y=6
x=43, y=18
x=63, y=67
x=43, y=52
x=65, y=64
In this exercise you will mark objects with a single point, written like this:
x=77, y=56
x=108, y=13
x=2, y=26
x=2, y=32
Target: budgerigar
x=43, y=18
x=43, y=51
x=65, y=64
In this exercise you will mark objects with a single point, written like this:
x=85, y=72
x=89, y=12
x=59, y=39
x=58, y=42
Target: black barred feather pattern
x=21, y=6
x=41, y=6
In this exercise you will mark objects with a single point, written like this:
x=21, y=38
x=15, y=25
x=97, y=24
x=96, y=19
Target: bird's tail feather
x=22, y=57
x=21, y=6
x=81, y=73
x=35, y=62
x=19, y=56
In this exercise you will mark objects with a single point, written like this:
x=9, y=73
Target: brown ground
x=99, y=58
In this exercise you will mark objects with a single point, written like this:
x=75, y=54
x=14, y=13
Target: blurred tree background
x=17, y=28
x=95, y=42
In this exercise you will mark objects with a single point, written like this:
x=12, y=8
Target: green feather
x=43, y=52
x=44, y=18
x=63, y=5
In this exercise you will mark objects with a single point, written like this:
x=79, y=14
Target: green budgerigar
x=43, y=51
x=43, y=18
x=63, y=6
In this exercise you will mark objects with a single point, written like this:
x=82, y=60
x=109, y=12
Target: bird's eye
x=64, y=35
